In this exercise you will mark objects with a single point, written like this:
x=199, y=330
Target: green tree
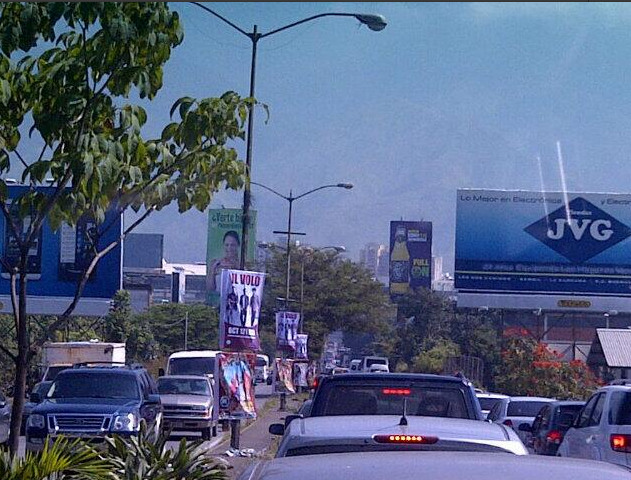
x=338, y=295
x=67, y=71
x=118, y=321
x=433, y=359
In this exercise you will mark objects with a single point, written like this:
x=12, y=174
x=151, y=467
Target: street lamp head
x=375, y=22
x=347, y=186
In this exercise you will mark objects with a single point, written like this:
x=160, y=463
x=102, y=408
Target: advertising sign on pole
x=550, y=243
x=241, y=299
x=287, y=330
x=410, y=256
x=283, y=376
x=57, y=259
x=224, y=246
x=301, y=346
x=300, y=374
x=234, y=386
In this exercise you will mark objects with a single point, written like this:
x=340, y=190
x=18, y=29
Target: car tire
x=214, y=430
x=207, y=434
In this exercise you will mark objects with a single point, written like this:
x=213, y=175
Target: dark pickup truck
x=389, y=393
x=94, y=401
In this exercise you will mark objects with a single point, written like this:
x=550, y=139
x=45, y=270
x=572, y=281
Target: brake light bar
x=405, y=439
x=620, y=442
x=396, y=391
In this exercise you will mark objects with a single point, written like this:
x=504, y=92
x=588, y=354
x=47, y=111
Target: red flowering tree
x=530, y=368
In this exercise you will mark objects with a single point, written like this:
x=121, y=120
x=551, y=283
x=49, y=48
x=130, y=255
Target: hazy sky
x=447, y=96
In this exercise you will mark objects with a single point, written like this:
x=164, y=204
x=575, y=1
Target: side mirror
x=277, y=429
x=35, y=397
x=291, y=418
x=153, y=399
x=161, y=372
x=524, y=427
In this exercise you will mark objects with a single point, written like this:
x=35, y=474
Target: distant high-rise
x=374, y=257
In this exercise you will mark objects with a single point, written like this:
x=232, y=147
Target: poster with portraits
x=241, y=299
x=234, y=386
x=284, y=376
x=301, y=346
x=300, y=374
x=287, y=324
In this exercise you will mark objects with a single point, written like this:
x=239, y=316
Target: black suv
x=383, y=394
x=94, y=401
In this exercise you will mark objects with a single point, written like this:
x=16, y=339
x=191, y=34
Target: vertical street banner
x=283, y=376
x=410, y=256
x=287, y=330
x=223, y=247
x=301, y=346
x=300, y=374
x=234, y=386
x=241, y=299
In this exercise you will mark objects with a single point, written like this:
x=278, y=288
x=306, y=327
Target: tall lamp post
x=291, y=199
x=373, y=22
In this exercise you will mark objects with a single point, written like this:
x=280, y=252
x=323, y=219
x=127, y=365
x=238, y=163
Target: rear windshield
x=449, y=446
x=388, y=400
x=620, y=410
x=488, y=403
x=524, y=409
x=376, y=361
x=192, y=366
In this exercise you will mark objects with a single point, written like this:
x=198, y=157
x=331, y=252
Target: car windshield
x=620, y=409
x=42, y=388
x=94, y=385
x=261, y=362
x=524, y=408
x=183, y=386
x=389, y=400
x=192, y=366
x=487, y=403
x=376, y=361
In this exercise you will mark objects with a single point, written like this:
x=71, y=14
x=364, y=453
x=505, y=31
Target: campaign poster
x=287, y=324
x=241, y=298
x=284, y=378
x=300, y=374
x=234, y=386
x=301, y=346
x=223, y=248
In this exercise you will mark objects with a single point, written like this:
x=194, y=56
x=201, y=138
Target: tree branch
x=21, y=158
x=9, y=353
x=86, y=275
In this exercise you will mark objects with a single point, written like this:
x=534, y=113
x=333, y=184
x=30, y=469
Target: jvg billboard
x=533, y=242
x=410, y=256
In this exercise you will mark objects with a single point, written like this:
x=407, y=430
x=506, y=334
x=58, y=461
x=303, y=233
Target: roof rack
x=132, y=366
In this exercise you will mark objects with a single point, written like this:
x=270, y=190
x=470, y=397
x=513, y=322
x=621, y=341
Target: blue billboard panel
x=58, y=259
x=410, y=256
x=534, y=242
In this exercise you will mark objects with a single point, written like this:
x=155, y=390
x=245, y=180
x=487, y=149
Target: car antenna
x=404, y=420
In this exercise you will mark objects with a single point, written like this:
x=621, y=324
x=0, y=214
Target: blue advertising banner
x=410, y=256
x=533, y=242
x=58, y=259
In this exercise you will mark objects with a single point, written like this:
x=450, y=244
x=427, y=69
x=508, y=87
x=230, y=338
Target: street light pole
x=375, y=23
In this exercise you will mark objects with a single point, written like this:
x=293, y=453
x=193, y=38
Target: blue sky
x=447, y=96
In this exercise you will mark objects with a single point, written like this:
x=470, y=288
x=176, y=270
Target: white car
x=432, y=465
x=517, y=411
x=338, y=434
x=602, y=429
x=489, y=400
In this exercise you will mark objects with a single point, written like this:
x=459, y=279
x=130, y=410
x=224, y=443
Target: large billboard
x=410, y=256
x=534, y=243
x=58, y=259
x=223, y=247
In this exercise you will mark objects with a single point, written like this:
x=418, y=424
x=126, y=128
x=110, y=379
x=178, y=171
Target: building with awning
x=610, y=353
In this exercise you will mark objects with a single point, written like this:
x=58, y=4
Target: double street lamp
x=373, y=22
x=291, y=199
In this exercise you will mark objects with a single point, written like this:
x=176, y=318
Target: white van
x=355, y=366
x=368, y=362
x=192, y=362
x=262, y=370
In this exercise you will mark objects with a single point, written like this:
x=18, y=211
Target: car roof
x=531, y=399
x=615, y=388
x=491, y=395
x=184, y=377
x=195, y=354
x=394, y=377
x=434, y=465
x=102, y=370
x=568, y=403
x=354, y=426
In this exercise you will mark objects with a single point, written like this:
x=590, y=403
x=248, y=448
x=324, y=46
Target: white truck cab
x=192, y=362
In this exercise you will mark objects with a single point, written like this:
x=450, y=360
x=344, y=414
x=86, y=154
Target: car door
x=591, y=432
x=575, y=437
x=538, y=429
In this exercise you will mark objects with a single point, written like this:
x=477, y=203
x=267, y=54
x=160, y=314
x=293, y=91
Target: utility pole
x=186, y=331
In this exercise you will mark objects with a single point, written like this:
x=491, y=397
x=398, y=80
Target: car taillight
x=405, y=439
x=314, y=385
x=620, y=442
x=554, y=436
x=508, y=422
x=396, y=391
